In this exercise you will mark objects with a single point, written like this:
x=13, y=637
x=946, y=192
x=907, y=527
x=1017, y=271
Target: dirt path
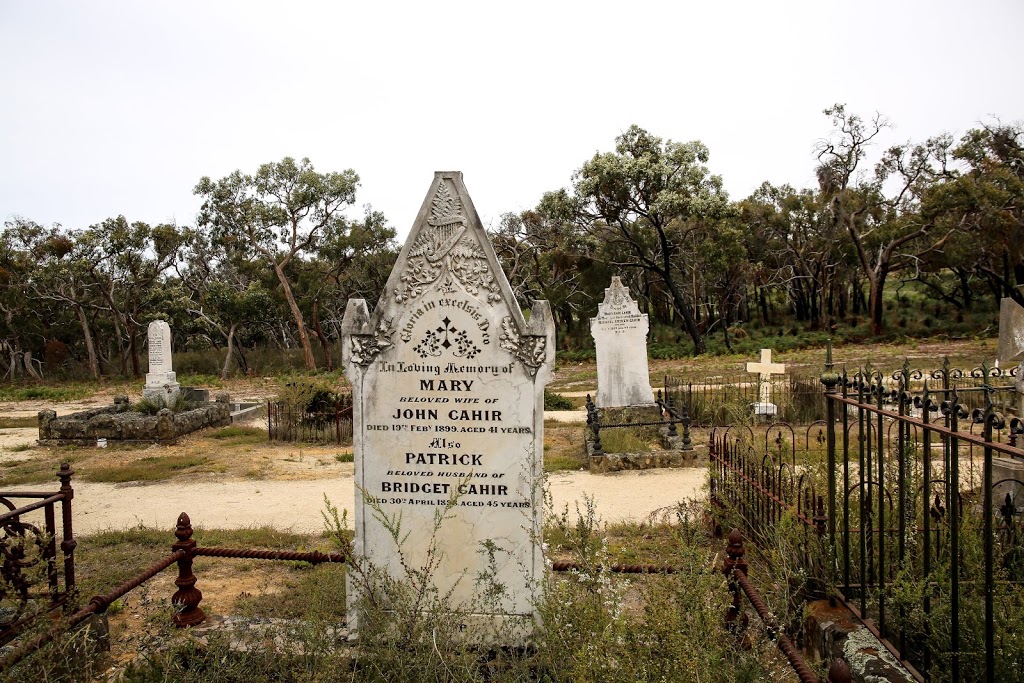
x=296, y=505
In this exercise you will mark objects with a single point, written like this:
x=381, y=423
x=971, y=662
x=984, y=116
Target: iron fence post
x=734, y=561
x=68, y=544
x=830, y=379
x=187, y=598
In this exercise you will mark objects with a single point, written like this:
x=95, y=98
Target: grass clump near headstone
x=629, y=439
x=152, y=405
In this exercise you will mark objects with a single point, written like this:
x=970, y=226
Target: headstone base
x=161, y=386
x=764, y=410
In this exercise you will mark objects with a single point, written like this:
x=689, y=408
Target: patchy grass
x=72, y=392
x=629, y=439
x=345, y=457
x=21, y=447
x=563, y=446
x=18, y=422
x=35, y=471
x=562, y=463
x=154, y=468
x=238, y=435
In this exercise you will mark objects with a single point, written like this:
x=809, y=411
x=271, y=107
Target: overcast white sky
x=120, y=107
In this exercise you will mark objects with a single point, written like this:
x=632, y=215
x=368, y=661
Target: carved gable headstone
x=161, y=382
x=448, y=380
x=620, y=338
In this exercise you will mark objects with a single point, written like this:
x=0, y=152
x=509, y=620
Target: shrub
x=553, y=401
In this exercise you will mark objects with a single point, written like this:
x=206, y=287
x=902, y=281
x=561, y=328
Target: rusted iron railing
x=27, y=547
x=320, y=422
x=186, y=598
x=913, y=492
x=735, y=569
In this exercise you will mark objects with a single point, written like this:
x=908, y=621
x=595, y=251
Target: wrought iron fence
x=320, y=422
x=924, y=528
x=721, y=400
x=28, y=547
x=669, y=417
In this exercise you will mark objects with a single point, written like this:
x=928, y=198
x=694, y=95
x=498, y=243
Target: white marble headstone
x=620, y=338
x=161, y=381
x=448, y=381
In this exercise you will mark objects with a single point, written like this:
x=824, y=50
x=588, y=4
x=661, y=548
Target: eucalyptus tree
x=283, y=212
x=546, y=256
x=798, y=246
x=984, y=196
x=648, y=197
x=126, y=262
x=353, y=261
x=46, y=273
x=880, y=210
x=226, y=293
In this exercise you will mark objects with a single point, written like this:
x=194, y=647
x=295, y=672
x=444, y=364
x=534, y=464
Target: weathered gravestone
x=448, y=379
x=161, y=383
x=1010, y=472
x=765, y=369
x=620, y=338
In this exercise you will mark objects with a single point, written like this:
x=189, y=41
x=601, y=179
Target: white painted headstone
x=448, y=380
x=765, y=369
x=620, y=338
x=161, y=381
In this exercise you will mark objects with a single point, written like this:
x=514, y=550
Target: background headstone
x=1011, y=332
x=447, y=379
x=620, y=338
x=1011, y=343
x=161, y=382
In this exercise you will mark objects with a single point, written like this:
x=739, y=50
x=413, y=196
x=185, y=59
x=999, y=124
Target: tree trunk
x=28, y=366
x=90, y=347
x=231, y=349
x=133, y=350
x=307, y=348
x=320, y=335
x=688, y=323
x=875, y=307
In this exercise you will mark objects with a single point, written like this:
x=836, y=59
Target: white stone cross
x=765, y=369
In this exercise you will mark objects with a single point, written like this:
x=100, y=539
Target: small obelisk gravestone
x=447, y=379
x=620, y=338
x=161, y=382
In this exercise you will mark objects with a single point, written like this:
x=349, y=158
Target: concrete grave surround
x=765, y=369
x=161, y=382
x=448, y=380
x=620, y=337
